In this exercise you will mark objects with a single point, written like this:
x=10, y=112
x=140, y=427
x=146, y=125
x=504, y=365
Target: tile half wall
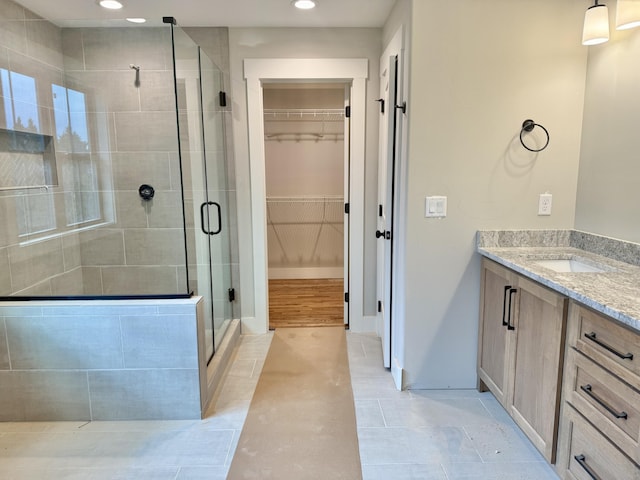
x=103, y=360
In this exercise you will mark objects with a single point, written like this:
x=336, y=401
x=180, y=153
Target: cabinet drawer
x=610, y=404
x=617, y=348
x=592, y=456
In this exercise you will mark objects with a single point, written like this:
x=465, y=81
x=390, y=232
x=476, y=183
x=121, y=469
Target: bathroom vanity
x=559, y=345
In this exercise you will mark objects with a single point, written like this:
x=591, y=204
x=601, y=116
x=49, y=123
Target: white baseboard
x=366, y=324
x=253, y=326
x=397, y=374
x=276, y=273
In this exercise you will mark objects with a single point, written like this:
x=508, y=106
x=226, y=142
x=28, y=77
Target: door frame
x=355, y=72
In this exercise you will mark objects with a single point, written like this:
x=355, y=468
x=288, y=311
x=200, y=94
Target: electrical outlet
x=544, y=204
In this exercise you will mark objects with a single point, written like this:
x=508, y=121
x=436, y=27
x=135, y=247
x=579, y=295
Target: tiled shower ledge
x=615, y=292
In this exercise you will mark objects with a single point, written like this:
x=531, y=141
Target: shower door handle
x=219, y=218
x=202, y=214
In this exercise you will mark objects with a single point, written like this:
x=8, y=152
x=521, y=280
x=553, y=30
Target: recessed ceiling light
x=136, y=20
x=110, y=4
x=304, y=4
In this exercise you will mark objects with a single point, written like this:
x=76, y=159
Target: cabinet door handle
x=589, y=391
x=583, y=463
x=509, y=324
x=504, y=305
x=592, y=336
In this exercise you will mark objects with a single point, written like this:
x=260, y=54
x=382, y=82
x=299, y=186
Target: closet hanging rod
x=300, y=135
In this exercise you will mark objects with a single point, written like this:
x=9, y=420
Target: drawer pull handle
x=589, y=391
x=583, y=463
x=625, y=356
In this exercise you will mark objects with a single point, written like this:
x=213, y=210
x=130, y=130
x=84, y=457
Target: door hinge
x=347, y=111
x=379, y=306
x=379, y=210
x=232, y=294
x=223, y=99
x=346, y=208
x=346, y=297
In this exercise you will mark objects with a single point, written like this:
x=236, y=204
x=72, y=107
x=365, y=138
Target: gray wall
x=608, y=195
x=478, y=69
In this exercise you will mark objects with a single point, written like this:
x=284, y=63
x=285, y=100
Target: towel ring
x=527, y=126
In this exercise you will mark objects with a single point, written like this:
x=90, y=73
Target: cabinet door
x=539, y=332
x=493, y=334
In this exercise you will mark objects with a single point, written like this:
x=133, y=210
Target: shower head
x=134, y=67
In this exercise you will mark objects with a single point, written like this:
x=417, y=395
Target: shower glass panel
x=203, y=163
x=80, y=134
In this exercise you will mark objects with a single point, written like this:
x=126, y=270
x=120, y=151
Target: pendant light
x=627, y=14
x=596, y=25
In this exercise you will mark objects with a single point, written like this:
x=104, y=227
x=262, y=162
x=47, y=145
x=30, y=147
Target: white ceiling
x=228, y=13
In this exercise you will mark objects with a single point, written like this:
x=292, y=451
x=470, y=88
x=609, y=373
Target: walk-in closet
x=304, y=126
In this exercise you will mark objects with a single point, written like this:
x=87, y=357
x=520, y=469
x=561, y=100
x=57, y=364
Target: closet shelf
x=304, y=115
x=304, y=124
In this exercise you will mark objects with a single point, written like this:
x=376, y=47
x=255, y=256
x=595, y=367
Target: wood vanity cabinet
x=520, y=351
x=600, y=422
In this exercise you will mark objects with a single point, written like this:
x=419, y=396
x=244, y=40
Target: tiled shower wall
x=139, y=249
x=142, y=251
x=141, y=359
x=31, y=46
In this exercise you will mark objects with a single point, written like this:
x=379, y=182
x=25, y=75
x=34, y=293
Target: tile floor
x=426, y=435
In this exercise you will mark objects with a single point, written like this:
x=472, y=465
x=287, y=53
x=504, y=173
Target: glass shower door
x=216, y=180
x=204, y=177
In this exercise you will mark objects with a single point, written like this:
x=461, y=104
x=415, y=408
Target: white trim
x=366, y=325
x=354, y=71
x=251, y=326
x=397, y=373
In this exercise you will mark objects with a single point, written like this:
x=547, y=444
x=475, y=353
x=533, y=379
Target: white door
x=384, y=232
x=390, y=112
x=347, y=169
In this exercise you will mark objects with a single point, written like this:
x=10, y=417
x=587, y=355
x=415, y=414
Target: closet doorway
x=306, y=175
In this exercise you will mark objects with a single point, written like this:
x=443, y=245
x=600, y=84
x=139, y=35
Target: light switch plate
x=435, y=207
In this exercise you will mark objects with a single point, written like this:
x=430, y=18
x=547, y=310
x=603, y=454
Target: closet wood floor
x=306, y=303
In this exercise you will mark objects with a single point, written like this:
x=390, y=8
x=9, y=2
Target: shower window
x=79, y=171
x=20, y=101
x=23, y=160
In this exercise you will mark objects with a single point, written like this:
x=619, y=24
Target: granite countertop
x=614, y=292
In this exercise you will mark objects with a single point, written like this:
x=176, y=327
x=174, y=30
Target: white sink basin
x=570, y=265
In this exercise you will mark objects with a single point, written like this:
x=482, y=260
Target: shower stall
x=117, y=207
